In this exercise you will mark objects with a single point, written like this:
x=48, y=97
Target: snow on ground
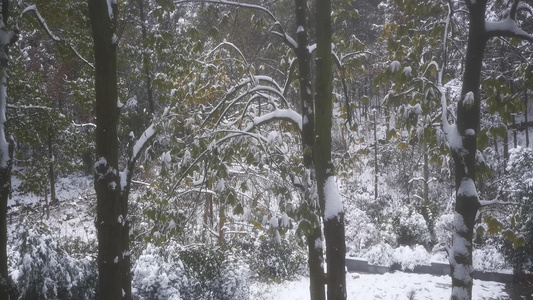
x=72, y=218
x=397, y=285
x=67, y=188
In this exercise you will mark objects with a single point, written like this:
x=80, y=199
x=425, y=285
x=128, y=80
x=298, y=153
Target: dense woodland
x=230, y=141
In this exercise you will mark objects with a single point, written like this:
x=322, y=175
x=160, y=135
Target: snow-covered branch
x=508, y=27
x=278, y=114
x=33, y=9
x=483, y=203
x=26, y=107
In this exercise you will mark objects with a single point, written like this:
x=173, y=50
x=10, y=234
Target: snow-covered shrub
x=380, y=255
x=360, y=232
x=411, y=229
x=232, y=282
x=409, y=257
x=45, y=271
x=517, y=240
x=273, y=261
x=213, y=275
x=199, y=272
x=488, y=259
x=158, y=275
x=443, y=229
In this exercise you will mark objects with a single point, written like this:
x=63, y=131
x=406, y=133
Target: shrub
x=199, y=272
x=157, y=275
x=46, y=271
x=380, y=255
x=488, y=259
x=278, y=261
x=408, y=257
x=360, y=232
x=411, y=229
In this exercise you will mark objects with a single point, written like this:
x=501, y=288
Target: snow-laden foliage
x=518, y=239
x=157, y=275
x=172, y=272
x=278, y=261
x=488, y=259
x=380, y=255
x=443, y=228
x=360, y=231
x=407, y=257
x=411, y=229
x=45, y=271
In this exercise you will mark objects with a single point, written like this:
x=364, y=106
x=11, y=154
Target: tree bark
x=114, y=279
x=333, y=225
x=314, y=236
x=526, y=118
x=468, y=125
x=51, y=170
x=6, y=150
x=376, y=176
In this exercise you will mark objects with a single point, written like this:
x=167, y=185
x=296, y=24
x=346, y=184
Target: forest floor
x=397, y=286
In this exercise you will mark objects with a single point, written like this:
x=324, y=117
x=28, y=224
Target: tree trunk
x=51, y=170
x=114, y=279
x=330, y=202
x=526, y=118
x=314, y=236
x=426, y=209
x=468, y=125
x=6, y=150
x=376, y=177
x=221, y=222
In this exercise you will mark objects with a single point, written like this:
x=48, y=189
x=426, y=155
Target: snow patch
x=395, y=66
x=467, y=188
x=333, y=202
x=459, y=223
x=274, y=222
x=407, y=71
x=469, y=99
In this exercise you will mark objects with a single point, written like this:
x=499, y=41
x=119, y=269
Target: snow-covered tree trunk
x=114, y=279
x=462, y=139
x=314, y=236
x=7, y=38
x=329, y=198
x=464, y=155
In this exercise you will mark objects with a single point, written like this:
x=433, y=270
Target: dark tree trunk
x=51, y=170
x=334, y=224
x=221, y=222
x=526, y=118
x=468, y=125
x=314, y=236
x=114, y=279
x=6, y=150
